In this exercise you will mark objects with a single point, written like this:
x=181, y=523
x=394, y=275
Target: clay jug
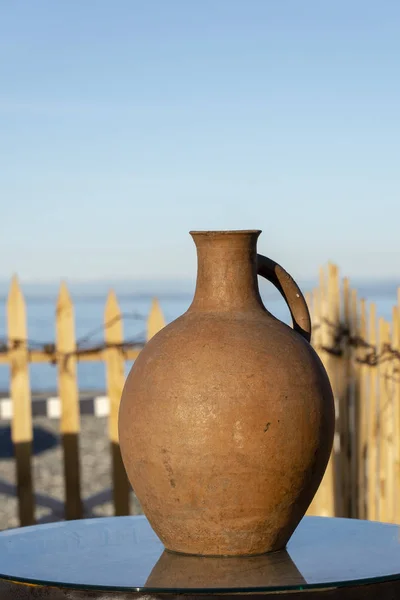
x=226, y=419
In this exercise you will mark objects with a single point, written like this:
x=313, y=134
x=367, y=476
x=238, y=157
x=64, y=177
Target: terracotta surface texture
x=227, y=417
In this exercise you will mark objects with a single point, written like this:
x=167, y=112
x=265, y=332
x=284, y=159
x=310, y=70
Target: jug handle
x=268, y=268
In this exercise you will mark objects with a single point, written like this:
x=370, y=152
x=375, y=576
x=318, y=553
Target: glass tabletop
x=123, y=553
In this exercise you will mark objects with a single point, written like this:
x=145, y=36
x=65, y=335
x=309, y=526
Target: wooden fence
x=360, y=352
x=65, y=354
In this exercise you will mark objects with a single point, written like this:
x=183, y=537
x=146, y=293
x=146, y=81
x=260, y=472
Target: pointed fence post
x=345, y=398
x=396, y=410
x=115, y=376
x=155, y=320
x=69, y=400
x=353, y=395
x=373, y=422
x=386, y=487
x=315, y=508
x=333, y=367
x=362, y=415
x=324, y=501
x=21, y=426
x=391, y=428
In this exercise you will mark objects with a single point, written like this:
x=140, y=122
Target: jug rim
x=225, y=231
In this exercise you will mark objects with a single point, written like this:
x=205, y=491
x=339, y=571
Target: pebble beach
x=48, y=476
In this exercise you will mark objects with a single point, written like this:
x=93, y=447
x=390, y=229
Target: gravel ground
x=48, y=472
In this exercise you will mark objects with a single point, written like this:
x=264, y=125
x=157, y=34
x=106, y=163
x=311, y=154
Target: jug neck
x=226, y=271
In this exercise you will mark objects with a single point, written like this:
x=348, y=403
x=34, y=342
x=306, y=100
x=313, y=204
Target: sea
x=89, y=303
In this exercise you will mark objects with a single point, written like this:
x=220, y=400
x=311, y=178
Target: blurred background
x=123, y=125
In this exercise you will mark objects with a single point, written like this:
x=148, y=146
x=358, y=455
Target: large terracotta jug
x=227, y=417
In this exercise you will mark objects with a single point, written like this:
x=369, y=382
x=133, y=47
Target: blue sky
x=125, y=124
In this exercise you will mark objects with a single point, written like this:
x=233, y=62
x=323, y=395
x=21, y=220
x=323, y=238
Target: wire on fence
x=372, y=358
x=50, y=348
